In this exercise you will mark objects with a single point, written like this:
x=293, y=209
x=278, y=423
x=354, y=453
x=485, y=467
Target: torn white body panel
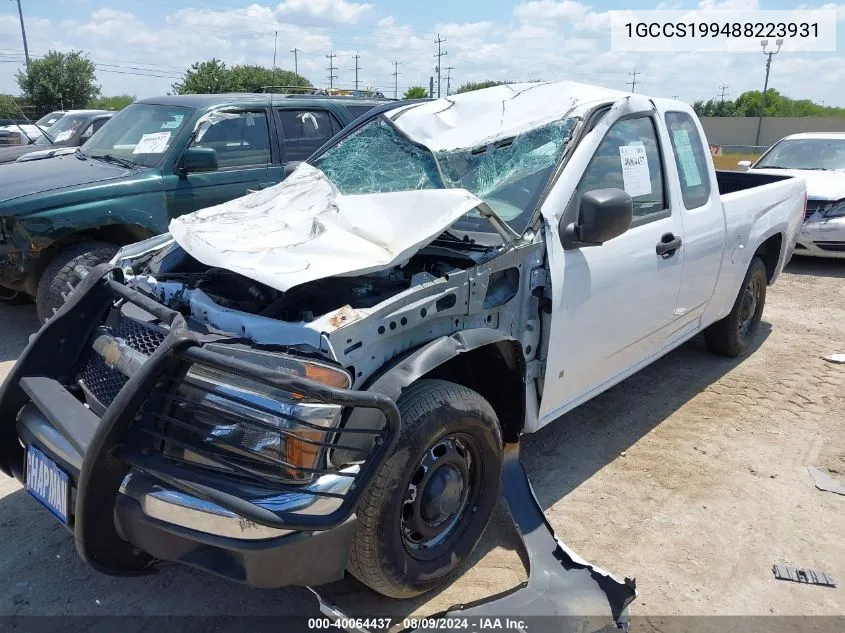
x=482, y=116
x=304, y=229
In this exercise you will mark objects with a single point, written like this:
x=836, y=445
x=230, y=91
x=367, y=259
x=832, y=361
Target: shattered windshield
x=509, y=174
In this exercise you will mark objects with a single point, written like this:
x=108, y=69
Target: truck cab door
x=703, y=219
x=241, y=140
x=613, y=304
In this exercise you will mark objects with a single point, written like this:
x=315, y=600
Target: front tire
x=733, y=335
x=60, y=277
x=426, y=509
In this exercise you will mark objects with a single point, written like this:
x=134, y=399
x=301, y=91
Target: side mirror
x=603, y=215
x=744, y=165
x=197, y=159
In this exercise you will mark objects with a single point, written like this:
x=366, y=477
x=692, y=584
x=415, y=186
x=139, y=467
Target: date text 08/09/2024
x=423, y=623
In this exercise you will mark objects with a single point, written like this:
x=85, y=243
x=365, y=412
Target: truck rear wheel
x=733, y=335
x=60, y=277
x=426, y=509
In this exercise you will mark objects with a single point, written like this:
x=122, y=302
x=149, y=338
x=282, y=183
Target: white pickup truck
x=327, y=374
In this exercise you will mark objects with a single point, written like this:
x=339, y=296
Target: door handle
x=667, y=245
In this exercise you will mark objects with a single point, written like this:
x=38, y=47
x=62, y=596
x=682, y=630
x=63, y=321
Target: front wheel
x=60, y=276
x=733, y=335
x=427, y=508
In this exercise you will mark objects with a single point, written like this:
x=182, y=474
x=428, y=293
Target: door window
x=239, y=138
x=689, y=158
x=305, y=131
x=89, y=131
x=629, y=158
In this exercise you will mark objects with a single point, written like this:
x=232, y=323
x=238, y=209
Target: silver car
x=819, y=158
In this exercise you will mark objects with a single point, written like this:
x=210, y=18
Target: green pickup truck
x=154, y=160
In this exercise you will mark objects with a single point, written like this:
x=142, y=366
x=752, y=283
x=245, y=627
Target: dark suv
x=154, y=160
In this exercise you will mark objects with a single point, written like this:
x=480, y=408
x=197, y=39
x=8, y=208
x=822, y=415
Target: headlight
x=223, y=420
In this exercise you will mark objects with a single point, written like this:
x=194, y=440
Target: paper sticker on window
x=683, y=149
x=154, y=143
x=635, y=175
x=63, y=136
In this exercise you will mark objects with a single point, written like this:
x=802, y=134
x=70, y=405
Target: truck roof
x=253, y=98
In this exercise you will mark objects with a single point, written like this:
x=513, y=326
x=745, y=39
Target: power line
x=395, y=79
x=440, y=54
x=331, y=57
x=633, y=83
x=356, y=57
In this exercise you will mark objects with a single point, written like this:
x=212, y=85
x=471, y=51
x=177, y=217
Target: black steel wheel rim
x=748, y=307
x=441, y=496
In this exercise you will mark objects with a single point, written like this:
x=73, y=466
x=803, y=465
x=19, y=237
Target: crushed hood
x=304, y=229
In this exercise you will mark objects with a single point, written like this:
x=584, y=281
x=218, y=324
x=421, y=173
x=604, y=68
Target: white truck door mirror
x=603, y=215
x=744, y=165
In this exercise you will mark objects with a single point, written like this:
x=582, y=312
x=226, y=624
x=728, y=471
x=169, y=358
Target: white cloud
x=544, y=10
x=728, y=4
x=339, y=11
x=832, y=6
x=548, y=39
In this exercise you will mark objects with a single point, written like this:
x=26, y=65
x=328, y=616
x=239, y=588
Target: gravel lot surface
x=690, y=476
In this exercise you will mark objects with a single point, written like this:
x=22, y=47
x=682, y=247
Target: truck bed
x=733, y=181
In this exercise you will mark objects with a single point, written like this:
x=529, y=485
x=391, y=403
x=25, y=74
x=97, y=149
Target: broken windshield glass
x=378, y=159
x=508, y=174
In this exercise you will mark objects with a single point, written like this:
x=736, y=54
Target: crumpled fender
x=404, y=370
x=581, y=596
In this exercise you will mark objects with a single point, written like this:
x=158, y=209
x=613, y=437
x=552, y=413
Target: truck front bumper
x=169, y=524
x=129, y=505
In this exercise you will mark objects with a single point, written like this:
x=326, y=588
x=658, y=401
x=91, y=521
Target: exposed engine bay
x=173, y=266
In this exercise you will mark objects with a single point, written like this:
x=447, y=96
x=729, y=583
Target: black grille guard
x=108, y=458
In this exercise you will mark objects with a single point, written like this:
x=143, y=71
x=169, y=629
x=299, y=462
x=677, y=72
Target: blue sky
x=142, y=46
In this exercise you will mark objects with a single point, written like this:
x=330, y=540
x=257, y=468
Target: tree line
x=749, y=104
x=69, y=81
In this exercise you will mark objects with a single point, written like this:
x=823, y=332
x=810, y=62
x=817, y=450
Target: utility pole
x=633, y=75
x=356, y=57
x=723, y=87
x=275, y=42
x=449, y=70
x=395, y=79
x=331, y=57
x=23, y=33
x=431, y=87
x=676, y=97
x=769, y=56
x=440, y=53
x=296, y=60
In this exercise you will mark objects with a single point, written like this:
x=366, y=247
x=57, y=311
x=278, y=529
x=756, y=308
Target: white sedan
x=819, y=159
